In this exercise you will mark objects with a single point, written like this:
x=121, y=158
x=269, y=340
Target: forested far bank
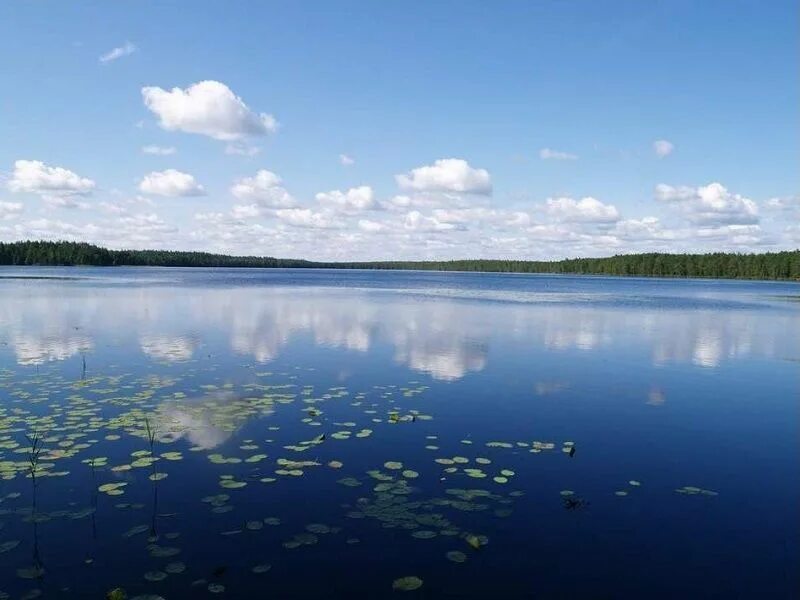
x=769, y=265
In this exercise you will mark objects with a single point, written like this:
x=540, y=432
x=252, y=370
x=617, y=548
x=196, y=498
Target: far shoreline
x=631, y=276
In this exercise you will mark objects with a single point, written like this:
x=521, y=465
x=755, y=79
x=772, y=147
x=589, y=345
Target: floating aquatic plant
x=407, y=584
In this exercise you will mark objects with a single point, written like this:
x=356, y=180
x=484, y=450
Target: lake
x=200, y=433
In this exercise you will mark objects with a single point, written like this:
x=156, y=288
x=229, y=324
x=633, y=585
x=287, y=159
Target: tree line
x=769, y=265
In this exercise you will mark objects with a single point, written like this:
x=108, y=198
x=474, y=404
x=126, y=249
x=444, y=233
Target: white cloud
x=663, y=148
x=305, y=217
x=207, y=108
x=550, y=154
x=10, y=210
x=710, y=204
x=170, y=183
x=482, y=217
x=125, y=50
x=245, y=211
x=585, y=210
x=149, y=222
x=784, y=203
x=159, y=150
x=400, y=202
x=416, y=221
x=447, y=175
x=370, y=226
x=56, y=185
x=346, y=160
x=352, y=201
x=644, y=229
x=669, y=193
x=241, y=149
x=264, y=189
x=55, y=230
x=64, y=202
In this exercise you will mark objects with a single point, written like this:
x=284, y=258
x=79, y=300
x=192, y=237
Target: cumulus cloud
x=10, y=210
x=644, y=229
x=245, y=211
x=663, y=148
x=352, y=201
x=264, y=189
x=479, y=217
x=585, y=210
x=550, y=154
x=55, y=229
x=416, y=221
x=56, y=185
x=171, y=183
x=370, y=226
x=159, y=150
x=125, y=50
x=710, y=204
x=305, y=217
x=207, y=108
x=447, y=175
x=346, y=160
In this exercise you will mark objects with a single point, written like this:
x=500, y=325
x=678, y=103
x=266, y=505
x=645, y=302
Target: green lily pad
x=407, y=584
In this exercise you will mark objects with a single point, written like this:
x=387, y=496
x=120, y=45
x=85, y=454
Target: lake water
x=322, y=434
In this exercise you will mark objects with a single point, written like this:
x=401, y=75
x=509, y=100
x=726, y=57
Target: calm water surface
x=320, y=434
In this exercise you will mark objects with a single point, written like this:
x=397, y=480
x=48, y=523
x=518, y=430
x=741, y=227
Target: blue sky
x=402, y=130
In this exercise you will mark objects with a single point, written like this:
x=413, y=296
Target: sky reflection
x=445, y=338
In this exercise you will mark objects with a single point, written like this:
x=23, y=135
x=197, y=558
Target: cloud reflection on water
x=444, y=338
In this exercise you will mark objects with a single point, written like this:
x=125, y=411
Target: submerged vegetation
x=770, y=265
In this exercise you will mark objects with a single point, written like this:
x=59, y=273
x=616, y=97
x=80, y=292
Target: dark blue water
x=503, y=436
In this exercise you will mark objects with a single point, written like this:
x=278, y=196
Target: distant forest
x=770, y=265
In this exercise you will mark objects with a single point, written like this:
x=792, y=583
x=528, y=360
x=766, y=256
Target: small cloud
x=586, y=210
x=550, y=154
x=710, y=205
x=264, y=189
x=352, y=201
x=785, y=203
x=171, y=183
x=56, y=185
x=447, y=175
x=305, y=217
x=346, y=160
x=125, y=50
x=241, y=150
x=663, y=148
x=159, y=150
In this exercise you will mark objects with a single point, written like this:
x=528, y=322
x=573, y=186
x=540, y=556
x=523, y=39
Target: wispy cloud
x=550, y=154
x=663, y=148
x=159, y=150
x=125, y=50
